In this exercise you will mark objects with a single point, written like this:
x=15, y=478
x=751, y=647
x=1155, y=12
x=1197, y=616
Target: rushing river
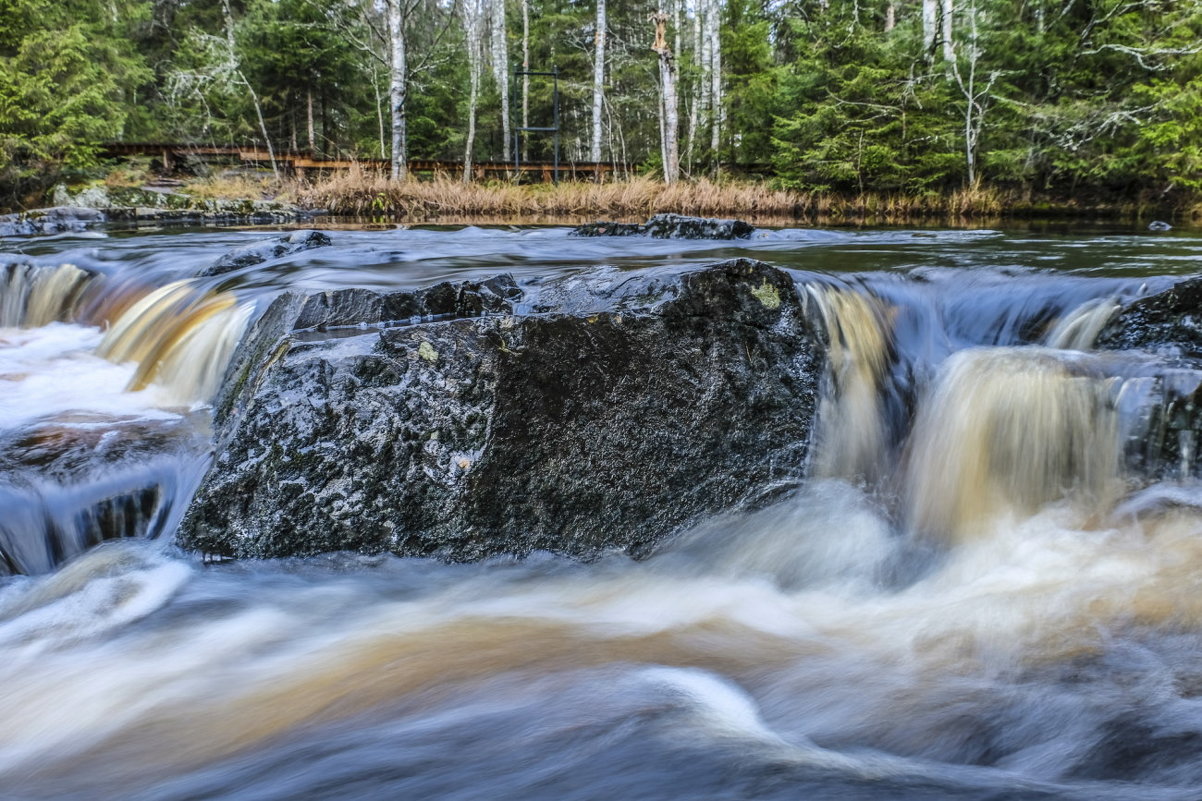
x=967, y=599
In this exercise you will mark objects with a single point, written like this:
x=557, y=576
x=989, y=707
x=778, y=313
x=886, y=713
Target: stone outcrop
x=624, y=407
x=99, y=205
x=671, y=226
x=56, y=220
x=266, y=250
x=1166, y=321
x=1168, y=396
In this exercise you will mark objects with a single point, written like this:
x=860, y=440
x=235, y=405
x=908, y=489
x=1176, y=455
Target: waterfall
x=35, y=295
x=1079, y=329
x=851, y=426
x=1005, y=431
x=180, y=336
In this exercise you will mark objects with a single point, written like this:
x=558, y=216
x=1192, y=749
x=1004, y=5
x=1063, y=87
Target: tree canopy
x=829, y=95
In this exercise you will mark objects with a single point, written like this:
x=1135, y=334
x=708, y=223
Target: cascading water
x=983, y=590
x=38, y=295
x=76, y=472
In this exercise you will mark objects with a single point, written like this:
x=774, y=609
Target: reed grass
x=363, y=193
x=366, y=193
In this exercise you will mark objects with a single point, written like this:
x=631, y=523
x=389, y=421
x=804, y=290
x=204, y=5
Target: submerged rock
x=572, y=431
x=265, y=250
x=671, y=226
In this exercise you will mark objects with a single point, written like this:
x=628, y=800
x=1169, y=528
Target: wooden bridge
x=300, y=162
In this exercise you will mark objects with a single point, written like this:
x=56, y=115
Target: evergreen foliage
x=1101, y=96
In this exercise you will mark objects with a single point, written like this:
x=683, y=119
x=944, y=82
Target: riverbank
x=361, y=193
x=371, y=195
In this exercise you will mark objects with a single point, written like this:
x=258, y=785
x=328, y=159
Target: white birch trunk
x=707, y=62
x=697, y=102
x=598, y=81
x=717, y=117
x=312, y=129
x=500, y=68
x=930, y=22
x=525, y=67
x=375, y=85
x=473, y=24
x=890, y=16
x=669, y=118
x=948, y=12
x=398, y=89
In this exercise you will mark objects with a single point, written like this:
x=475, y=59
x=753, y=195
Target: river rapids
x=969, y=597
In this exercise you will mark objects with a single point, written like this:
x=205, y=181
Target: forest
x=917, y=97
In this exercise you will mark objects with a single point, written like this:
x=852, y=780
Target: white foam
x=53, y=370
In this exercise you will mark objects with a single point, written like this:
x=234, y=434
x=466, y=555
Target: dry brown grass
x=364, y=193
x=239, y=186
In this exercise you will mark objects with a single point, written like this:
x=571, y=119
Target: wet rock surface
x=133, y=207
x=671, y=226
x=626, y=407
x=56, y=220
x=1166, y=322
x=266, y=250
x=1164, y=443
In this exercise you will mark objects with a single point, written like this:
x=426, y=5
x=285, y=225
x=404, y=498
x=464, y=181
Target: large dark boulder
x=671, y=226
x=606, y=422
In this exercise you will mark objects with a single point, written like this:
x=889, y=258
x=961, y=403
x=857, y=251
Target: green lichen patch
x=768, y=295
x=427, y=352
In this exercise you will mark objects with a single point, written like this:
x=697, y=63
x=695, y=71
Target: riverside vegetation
x=941, y=106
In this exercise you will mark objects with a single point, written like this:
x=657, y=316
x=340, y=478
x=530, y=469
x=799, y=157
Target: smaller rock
x=609, y=229
x=274, y=248
x=1159, y=225
x=678, y=226
x=671, y=226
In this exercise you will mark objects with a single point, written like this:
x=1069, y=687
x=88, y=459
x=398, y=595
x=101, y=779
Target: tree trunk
x=398, y=89
x=948, y=13
x=718, y=116
x=594, y=152
x=930, y=21
x=375, y=85
x=500, y=68
x=525, y=78
x=697, y=103
x=473, y=24
x=890, y=16
x=312, y=135
x=669, y=119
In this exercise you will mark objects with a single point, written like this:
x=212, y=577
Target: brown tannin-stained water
x=976, y=594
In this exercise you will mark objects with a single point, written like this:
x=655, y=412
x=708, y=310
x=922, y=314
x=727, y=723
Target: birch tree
x=525, y=69
x=947, y=14
x=930, y=20
x=499, y=49
x=472, y=12
x=715, y=49
x=398, y=85
x=669, y=120
x=977, y=91
x=598, y=81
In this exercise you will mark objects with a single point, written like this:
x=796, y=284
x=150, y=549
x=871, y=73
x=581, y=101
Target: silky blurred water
x=934, y=618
